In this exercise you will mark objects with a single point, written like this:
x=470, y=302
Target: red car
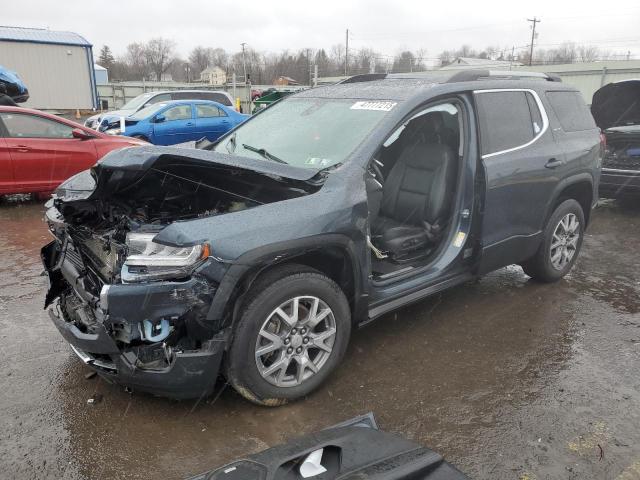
x=38, y=151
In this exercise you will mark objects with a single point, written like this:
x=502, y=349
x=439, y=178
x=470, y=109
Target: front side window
x=137, y=102
x=208, y=111
x=307, y=132
x=508, y=119
x=573, y=114
x=164, y=97
x=179, y=112
x=19, y=125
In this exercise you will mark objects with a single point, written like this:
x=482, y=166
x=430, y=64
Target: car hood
x=113, y=113
x=617, y=104
x=143, y=158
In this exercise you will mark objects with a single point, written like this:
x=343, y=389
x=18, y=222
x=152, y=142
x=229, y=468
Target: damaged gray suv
x=256, y=257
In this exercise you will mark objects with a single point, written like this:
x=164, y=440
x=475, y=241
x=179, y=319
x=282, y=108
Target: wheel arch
x=579, y=188
x=332, y=255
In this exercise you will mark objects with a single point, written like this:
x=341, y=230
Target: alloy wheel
x=564, y=242
x=295, y=341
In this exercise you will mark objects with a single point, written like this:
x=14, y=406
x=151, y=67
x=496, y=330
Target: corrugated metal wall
x=58, y=76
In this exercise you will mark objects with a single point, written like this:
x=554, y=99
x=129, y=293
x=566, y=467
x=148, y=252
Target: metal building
x=57, y=67
x=590, y=76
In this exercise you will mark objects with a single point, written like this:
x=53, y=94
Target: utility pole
x=346, y=54
x=244, y=62
x=533, y=20
x=247, y=86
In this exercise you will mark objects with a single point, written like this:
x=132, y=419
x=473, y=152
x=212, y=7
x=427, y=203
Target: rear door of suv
x=576, y=132
x=520, y=159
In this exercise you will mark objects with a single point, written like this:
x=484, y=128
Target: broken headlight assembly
x=148, y=260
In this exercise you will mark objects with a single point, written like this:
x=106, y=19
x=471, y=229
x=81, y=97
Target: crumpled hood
x=113, y=113
x=617, y=104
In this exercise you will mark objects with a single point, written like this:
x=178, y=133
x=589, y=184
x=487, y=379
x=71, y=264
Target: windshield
x=147, y=112
x=137, y=102
x=306, y=132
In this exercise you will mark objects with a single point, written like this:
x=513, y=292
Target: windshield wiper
x=264, y=153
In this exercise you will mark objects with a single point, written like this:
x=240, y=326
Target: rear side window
x=186, y=96
x=571, y=111
x=217, y=97
x=208, y=111
x=507, y=120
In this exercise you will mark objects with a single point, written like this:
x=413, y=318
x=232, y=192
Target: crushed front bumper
x=185, y=374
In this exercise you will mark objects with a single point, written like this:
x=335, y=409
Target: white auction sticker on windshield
x=380, y=106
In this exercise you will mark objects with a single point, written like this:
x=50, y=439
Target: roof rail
x=472, y=75
x=365, y=77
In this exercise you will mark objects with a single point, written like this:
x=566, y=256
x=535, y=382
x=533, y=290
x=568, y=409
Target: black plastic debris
x=355, y=449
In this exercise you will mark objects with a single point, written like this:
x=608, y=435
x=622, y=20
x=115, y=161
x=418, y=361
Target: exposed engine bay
x=101, y=292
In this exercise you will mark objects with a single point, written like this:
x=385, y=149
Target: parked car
x=38, y=151
x=323, y=212
x=179, y=121
x=102, y=120
x=616, y=109
x=13, y=86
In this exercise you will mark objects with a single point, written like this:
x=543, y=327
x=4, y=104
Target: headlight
x=78, y=187
x=148, y=260
x=113, y=131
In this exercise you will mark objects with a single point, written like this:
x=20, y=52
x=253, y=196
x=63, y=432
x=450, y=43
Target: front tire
x=292, y=333
x=561, y=244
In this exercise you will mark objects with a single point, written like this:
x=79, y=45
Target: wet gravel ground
x=507, y=378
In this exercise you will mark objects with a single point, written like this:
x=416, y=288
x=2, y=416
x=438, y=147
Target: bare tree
x=199, y=59
x=588, y=53
x=136, y=62
x=159, y=55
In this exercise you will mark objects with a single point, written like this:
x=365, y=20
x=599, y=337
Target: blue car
x=169, y=123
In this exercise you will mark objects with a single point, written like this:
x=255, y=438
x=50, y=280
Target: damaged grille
x=74, y=257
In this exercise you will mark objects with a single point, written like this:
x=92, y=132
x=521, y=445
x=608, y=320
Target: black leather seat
x=416, y=200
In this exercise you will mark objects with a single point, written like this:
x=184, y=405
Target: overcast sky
x=387, y=26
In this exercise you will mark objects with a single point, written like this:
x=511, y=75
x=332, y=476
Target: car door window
x=179, y=112
x=186, y=96
x=19, y=125
x=164, y=97
x=508, y=119
x=217, y=97
x=209, y=111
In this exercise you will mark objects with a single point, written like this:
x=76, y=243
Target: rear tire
x=562, y=239
x=299, y=356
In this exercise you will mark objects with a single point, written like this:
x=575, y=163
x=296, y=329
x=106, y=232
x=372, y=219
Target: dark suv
x=328, y=209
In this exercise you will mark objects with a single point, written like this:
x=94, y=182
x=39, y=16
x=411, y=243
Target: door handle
x=553, y=163
x=21, y=148
x=189, y=124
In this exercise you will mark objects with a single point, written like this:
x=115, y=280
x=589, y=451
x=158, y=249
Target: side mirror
x=81, y=134
x=160, y=118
